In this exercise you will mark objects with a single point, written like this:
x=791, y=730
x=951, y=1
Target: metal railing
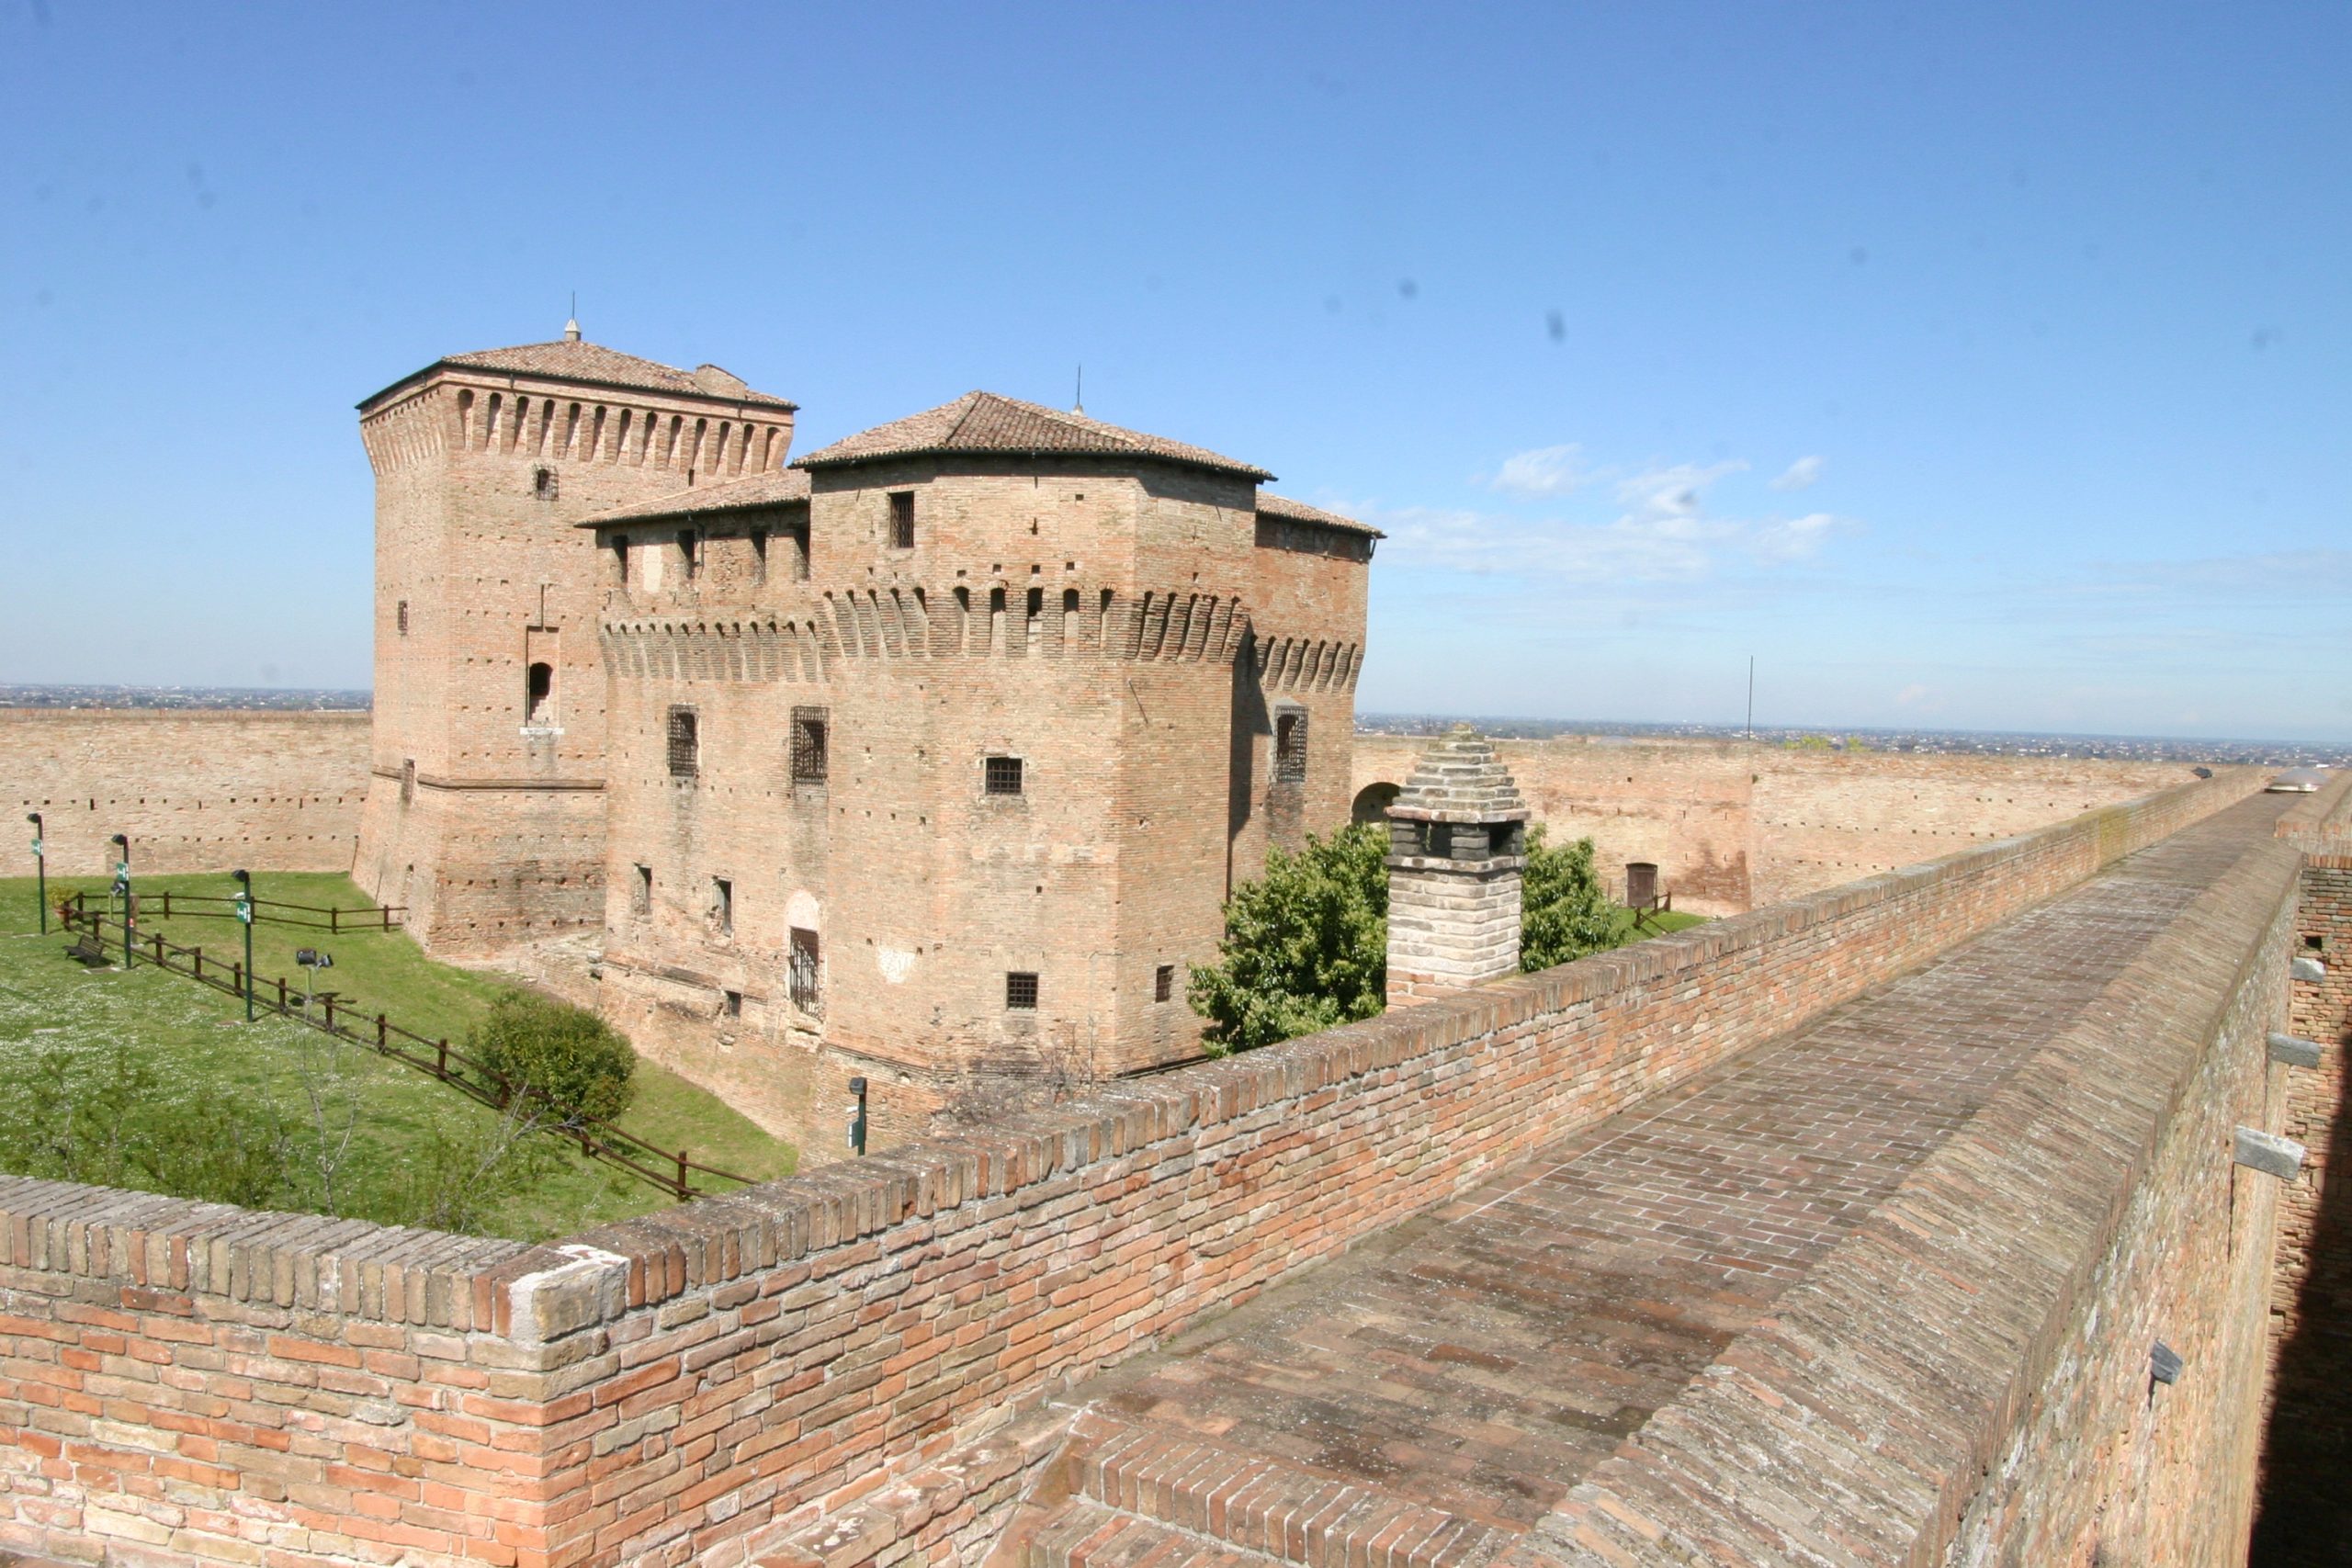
x=668, y=1170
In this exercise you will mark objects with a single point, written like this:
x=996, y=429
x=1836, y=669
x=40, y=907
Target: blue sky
x=1971, y=367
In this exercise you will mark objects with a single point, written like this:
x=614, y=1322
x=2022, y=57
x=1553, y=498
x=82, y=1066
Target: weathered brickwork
x=1733, y=827
x=706, y=1383
x=193, y=790
x=2306, y=1515
x=485, y=811
x=1128, y=643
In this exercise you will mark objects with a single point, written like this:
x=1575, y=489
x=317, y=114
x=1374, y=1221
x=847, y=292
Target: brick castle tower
x=485, y=813
x=930, y=761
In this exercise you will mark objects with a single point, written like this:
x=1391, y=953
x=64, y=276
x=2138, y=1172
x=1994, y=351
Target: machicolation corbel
x=2306, y=969
x=2269, y=1154
x=2294, y=1052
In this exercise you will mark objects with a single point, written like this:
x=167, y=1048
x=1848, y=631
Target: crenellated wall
x=693, y=1385
x=195, y=790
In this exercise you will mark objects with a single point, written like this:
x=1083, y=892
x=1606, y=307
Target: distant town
x=2141, y=748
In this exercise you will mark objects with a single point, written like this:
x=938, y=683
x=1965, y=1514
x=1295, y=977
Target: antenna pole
x=1751, y=696
x=1079, y=406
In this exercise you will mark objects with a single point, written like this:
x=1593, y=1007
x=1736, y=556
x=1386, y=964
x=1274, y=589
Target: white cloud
x=1913, y=692
x=1546, y=470
x=1801, y=473
x=1665, y=534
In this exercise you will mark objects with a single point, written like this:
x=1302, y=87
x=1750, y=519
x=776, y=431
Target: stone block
x=2269, y=1154
x=2290, y=1052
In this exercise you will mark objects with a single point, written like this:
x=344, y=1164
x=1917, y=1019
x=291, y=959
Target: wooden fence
x=668, y=1170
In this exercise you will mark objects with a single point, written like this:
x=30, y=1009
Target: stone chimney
x=1457, y=840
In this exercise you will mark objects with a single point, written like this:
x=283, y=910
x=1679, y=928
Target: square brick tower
x=1457, y=837
x=485, y=815
x=931, y=760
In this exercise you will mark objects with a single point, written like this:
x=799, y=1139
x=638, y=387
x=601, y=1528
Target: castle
x=926, y=760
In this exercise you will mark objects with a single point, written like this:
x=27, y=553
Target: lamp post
x=122, y=885
x=40, y=870
x=246, y=918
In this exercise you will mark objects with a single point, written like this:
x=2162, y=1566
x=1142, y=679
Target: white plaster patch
x=803, y=911
x=896, y=964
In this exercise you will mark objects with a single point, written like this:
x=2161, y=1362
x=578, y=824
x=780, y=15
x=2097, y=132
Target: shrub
x=568, y=1053
x=1564, y=913
x=1306, y=946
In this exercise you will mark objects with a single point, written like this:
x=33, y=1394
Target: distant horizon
x=9, y=690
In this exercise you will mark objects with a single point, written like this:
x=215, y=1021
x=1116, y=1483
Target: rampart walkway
x=1442, y=1388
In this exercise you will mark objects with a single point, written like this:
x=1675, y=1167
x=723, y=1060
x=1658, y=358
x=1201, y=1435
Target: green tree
x=1306, y=946
x=1563, y=914
x=568, y=1053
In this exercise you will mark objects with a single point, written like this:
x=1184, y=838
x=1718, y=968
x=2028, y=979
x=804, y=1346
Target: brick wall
x=1733, y=827
x=195, y=790
x=2305, y=1516
x=673, y=1387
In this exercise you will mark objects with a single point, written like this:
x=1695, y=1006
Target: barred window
x=1021, y=990
x=902, y=520
x=404, y=617
x=1290, y=746
x=1001, y=775
x=803, y=970
x=808, y=745
x=685, y=747
x=1163, y=983
x=544, y=484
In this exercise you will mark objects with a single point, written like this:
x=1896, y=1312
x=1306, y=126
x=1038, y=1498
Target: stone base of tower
x=479, y=869
x=1451, y=924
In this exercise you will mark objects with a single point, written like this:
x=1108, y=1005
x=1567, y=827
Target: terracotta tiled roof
x=1291, y=511
x=595, y=364
x=736, y=495
x=983, y=422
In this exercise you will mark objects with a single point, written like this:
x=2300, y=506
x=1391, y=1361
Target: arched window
x=539, y=696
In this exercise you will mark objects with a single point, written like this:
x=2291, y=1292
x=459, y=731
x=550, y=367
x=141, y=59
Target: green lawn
x=196, y=1038
x=1621, y=929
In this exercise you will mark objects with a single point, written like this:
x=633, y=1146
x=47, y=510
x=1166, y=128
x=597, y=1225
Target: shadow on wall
x=2303, y=1515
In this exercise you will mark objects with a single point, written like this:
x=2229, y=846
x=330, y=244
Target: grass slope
x=199, y=1037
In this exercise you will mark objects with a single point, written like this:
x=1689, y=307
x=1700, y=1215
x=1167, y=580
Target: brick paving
x=1479, y=1359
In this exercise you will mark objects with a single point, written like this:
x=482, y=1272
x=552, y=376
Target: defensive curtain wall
x=876, y=1362
x=194, y=790
x=1734, y=826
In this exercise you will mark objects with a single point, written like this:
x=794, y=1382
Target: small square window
x=640, y=893
x=902, y=520
x=2316, y=943
x=734, y=1004
x=685, y=744
x=1163, y=983
x=808, y=745
x=1001, y=775
x=544, y=484
x=722, y=904
x=1021, y=991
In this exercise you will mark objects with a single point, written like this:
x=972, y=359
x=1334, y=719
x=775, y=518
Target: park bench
x=89, y=950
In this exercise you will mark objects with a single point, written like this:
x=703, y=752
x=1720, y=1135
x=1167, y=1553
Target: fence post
x=329, y=1000
x=167, y=903
x=237, y=972
x=383, y=1042
x=683, y=1192
x=441, y=1060
x=281, y=993
x=196, y=955
x=334, y=918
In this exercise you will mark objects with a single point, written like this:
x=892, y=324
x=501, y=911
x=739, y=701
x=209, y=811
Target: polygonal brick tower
x=485, y=815
x=1457, y=844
